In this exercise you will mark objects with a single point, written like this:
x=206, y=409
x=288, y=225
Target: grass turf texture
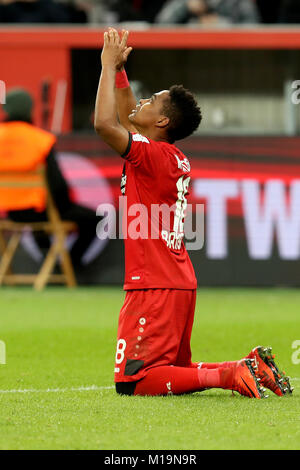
x=64, y=340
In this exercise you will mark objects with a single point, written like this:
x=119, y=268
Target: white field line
x=77, y=389
x=58, y=390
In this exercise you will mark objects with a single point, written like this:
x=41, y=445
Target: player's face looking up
x=148, y=112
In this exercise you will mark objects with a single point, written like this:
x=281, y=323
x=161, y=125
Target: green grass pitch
x=56, y=388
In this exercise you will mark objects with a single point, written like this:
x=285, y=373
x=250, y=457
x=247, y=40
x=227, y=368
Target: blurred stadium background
x=241, y=59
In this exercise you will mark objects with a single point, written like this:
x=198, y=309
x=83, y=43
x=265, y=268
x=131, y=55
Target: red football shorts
x=155, y=327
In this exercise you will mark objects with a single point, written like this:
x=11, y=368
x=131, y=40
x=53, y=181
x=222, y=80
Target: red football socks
x=167, y=380
x=216, y=365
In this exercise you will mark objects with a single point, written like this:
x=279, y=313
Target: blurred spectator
x=289, y=11
x=268, y=11
x=39, y=146
x=100, y=11
x=137, y=10
x=40, y=11
x=208, y=11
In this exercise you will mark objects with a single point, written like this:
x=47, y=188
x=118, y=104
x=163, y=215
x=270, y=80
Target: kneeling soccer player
x=155, y=324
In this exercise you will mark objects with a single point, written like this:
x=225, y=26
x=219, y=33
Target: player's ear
x=163, y=121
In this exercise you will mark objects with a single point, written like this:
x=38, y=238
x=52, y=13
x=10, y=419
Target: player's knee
x=125, y=388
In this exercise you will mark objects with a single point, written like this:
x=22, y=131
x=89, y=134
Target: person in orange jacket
x=24, y=146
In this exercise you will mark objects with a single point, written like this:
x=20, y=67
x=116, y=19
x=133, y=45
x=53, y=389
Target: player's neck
x=153, y=134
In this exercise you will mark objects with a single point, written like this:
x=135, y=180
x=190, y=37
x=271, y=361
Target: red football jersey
x=155, y=182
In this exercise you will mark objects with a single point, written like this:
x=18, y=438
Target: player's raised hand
x=115, y=50
x=126, y=50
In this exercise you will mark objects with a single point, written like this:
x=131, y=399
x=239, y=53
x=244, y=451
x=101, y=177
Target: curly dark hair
x=183, y=111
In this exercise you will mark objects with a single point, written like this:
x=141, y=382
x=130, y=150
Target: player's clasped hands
x=115, y=50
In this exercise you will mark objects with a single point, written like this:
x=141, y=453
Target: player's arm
x=126, y=100
x=106, y=118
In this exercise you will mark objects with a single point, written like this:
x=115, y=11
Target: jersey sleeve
x=141, y=152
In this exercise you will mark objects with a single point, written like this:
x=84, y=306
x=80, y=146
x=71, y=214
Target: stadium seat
x=57, y=228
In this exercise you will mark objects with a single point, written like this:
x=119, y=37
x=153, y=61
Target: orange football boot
x=269, y=374
x=242, y=378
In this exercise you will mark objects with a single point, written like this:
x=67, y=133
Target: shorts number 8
x=121, y=346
